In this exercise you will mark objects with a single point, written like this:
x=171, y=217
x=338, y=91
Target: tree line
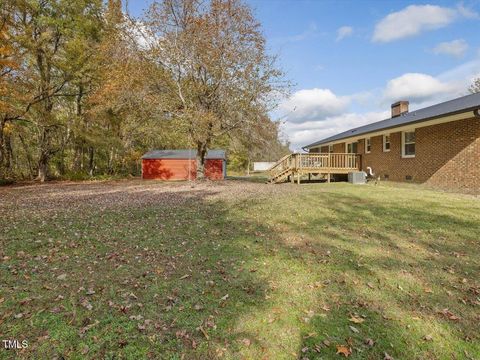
x=85, y=89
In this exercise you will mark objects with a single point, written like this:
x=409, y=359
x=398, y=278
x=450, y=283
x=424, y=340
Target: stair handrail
x=278, y=162
x=283, y=161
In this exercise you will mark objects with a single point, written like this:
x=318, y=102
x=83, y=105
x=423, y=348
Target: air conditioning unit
x=357, y=177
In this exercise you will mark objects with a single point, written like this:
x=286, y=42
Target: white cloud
x=414, y=87
x=343, y=32
x=311, y=32
x=139, y=32
x=456, y=48
x=319, y=113
x=313, y=104
x=415, y=19
x=306, y=133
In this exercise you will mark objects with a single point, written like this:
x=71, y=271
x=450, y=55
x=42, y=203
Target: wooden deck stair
x=296, y=165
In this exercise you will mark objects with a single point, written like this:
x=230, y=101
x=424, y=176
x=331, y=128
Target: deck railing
x=321, y=163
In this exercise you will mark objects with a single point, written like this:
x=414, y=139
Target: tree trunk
x=201, y=153
x=77, y=158
x=2, y=151
x=91, y=164
x=42, y=168
x=44, y=156
x=79, y=142
x=28, y=155
x=8, y=155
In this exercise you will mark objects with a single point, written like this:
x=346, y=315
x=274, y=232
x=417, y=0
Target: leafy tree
x=49, y=33
x=85, y=89
x=13, y=88
x=222, y=79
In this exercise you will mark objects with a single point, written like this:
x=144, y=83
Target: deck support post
x=309, y=176
x=328, y=177
x=298, y=178
x=292, y=178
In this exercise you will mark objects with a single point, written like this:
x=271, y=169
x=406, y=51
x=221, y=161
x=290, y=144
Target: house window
x=368, y=145
x=330, y=149
x=386, y=143
x=408, y=144
x=352, y=147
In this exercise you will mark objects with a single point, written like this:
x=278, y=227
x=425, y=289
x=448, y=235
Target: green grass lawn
x=239, y=270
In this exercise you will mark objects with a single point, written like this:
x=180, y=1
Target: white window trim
x=403, y=145
x=330, y=149
x=384, y=143
x=366, y=146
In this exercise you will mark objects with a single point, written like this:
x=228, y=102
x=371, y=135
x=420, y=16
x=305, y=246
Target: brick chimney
x=399, y=108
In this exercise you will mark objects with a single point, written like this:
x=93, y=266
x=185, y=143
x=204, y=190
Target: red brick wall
x=447, y=155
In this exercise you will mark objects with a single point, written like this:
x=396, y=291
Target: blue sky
x=349, y=60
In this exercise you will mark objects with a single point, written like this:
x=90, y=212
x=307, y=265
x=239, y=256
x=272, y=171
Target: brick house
x=438, y=145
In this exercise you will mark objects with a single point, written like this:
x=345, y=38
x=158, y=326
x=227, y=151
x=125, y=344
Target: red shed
x=182, y=165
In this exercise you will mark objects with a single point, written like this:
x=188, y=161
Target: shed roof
x=465, y=103
x=183, y=154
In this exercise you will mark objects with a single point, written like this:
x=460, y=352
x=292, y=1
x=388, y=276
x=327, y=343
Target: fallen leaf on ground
x=428, y=338
x=356, y=319
x=387, y=357
x=24, y=301
x=449, y=315
x=185, y=276
x=86, y=304
x=84, y=329
x=246, y=342
x=369, y=342
x=354, y=329
x=204, y=332
x=344, y=350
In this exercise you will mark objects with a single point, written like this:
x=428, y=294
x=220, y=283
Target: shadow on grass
x=155, y=281
x=189, y=274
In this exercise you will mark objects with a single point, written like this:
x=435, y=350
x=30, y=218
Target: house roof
x=183, y=154
x=459, y=105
